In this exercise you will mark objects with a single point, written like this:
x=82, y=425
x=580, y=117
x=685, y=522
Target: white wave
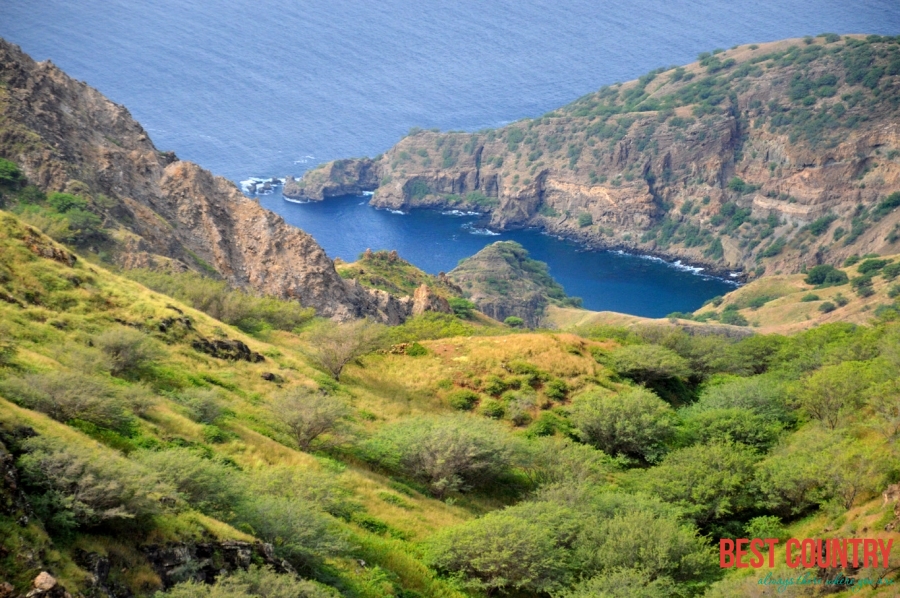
x=289, y=200
x=480, y=231
x=680, y=266
x=368, y=193
x=459, y=213
x=734, y=274
x=401, y=212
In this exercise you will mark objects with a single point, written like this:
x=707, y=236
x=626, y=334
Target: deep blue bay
x=436, y=241
x=268, y=89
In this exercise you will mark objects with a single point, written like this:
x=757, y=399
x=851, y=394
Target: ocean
x=272, y=88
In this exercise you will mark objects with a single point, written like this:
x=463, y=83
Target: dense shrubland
x=487, y=461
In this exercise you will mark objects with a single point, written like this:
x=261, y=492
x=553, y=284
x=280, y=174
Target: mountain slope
x=761, y=158
x=66, y=136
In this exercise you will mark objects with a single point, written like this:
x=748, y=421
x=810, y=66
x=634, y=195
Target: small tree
x=127, y=351
x=514, y=322
x=827, y=394
x=649, y=363
x=307, y=415
x=635, y=423
x=333, y=346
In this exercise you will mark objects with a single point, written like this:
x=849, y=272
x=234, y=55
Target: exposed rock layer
x=811, y=130
x=60, y=131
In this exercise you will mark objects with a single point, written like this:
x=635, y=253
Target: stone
x=44, y=582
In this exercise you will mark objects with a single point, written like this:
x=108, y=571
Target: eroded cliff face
x=724, y=162
x=164, y=211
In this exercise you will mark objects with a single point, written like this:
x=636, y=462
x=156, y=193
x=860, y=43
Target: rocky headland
x=765, y=158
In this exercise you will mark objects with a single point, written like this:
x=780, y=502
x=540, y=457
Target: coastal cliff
x=157, y=210
x=763, y=158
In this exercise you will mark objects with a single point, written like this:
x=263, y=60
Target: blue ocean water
x=271, y=88
x=436, y=241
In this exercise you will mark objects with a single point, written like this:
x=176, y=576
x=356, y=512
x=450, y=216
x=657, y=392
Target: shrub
x=74, y=485
x=852, y=260
x=493, y=409
x=635, y=423
x=296, y=529
x=204, y=405
x=826, y=275
x=809, y=297
x=840, y=300
x=416, y=350
x=732, y=424
x=648, y=363
x=67, y=396
x=737, y=184
x=760, y=394
x=10, y=175
x=831, y=392
x=255, y=582
x=450, y=454
x=462, y=308
x=556, y=389
x=494, y=385
x=870, y=266
x=463, y=399
x=894, y=291
x=332, y=346
x=820, y=225
x=708, y=481
x=827, y=307
x=207, y=485
x=765, y=526
x=622, y=582
x=585, y=219
x=505, y=550
x=514, y=321
x=320, y=489
x=250, y=313
x=308, y=415
x=128, y=352
x=891, y=271
x=733, y=317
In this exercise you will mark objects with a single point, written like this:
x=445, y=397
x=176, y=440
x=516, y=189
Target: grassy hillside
x=136, y=430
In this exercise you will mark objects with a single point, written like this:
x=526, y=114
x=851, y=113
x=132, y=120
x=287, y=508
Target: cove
x=435, y=241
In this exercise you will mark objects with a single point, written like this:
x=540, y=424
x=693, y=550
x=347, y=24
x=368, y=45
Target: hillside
x=761, y=158
x=146, y=208
x=503, y=282
x=146, y=446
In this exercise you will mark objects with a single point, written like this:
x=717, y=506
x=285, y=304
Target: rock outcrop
x=65, y=135
x=502, y=281
x=725, y=162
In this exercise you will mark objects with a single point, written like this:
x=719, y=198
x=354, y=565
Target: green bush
x=840, y=300
x=635, y=423
x=67, y=396
x=416, y=350
x=462, y=308
x=826, y=275
x=75, y=486
x=871, y=266
x=10, y=175
x=732, y=424
x=585, y=219
x=309, y=416
x=765, y=526
x=809, y=297
x=494, y=385
x=450, y=454
x=621, y=582
x=206, y=484
x=250, y=313
x=128, y=352
x=556, y=389
x=733, y=317
x=514, y=322
x=763, y=395
x=648, y=363
x=827, y=307
x=493, y=409
x=463, y=399
x=708, y=481
x=255, y=582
